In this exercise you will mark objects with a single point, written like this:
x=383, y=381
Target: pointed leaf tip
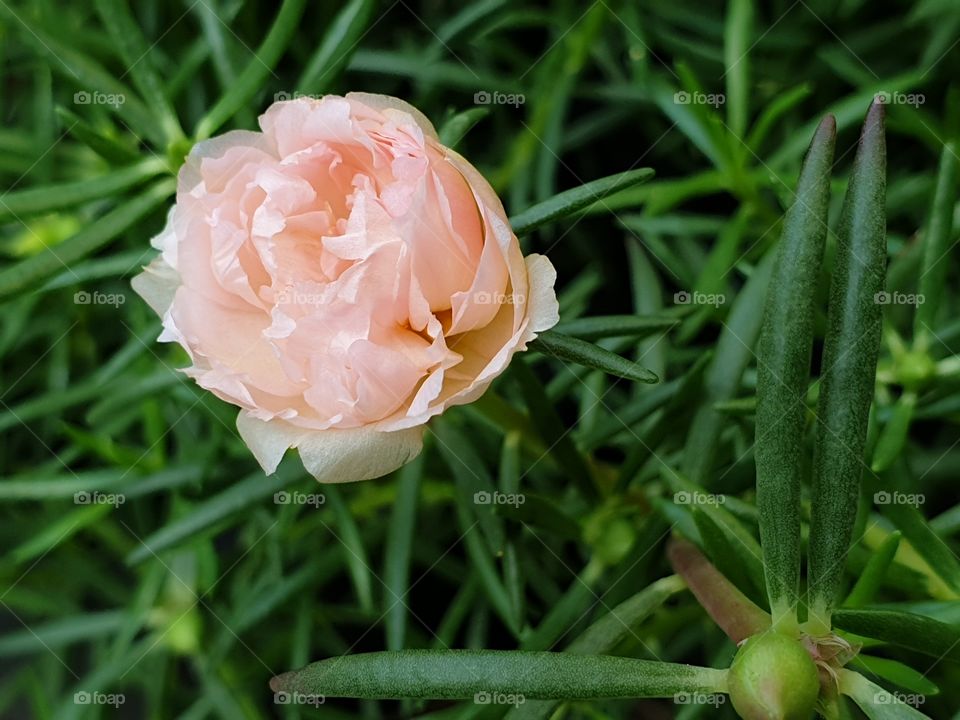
x=876, y=114
x=827, y=126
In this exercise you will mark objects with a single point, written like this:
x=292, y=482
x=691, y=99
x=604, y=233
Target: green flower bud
x=773, y=678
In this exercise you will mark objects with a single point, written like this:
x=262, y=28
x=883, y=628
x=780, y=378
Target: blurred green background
x=143, y=554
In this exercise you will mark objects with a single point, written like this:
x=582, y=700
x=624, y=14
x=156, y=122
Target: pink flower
x=342, y=278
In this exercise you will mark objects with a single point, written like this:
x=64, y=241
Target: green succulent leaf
x=211, y=512
x=28, y=273
x=730, y=557
x=738, y=535
x=936, y=245
x=876, y=702
x=894, y=435
x=454, y=129
x=908, y=630
x=917, y=531
x=737, y=43
x=873, y=574
x=580, y=352
x=354, y=554
x=896, y=673
x=460, y=674
x=603, y=636
x=333, y=54
x=133, y=50
x=18, y=204
x=783, y=373
x=849, y=364
x=255, y=74
x=396, y=574
x=576, y=199
x=734, y=352
x=77, y=67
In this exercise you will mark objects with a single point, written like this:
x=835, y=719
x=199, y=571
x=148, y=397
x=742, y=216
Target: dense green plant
x=749, y=371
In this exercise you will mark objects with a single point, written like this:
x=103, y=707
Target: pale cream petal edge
x=331, y=456
x=157, y=285
x=543, y=310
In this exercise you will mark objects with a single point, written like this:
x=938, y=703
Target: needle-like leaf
x=849, y=366
x=27, y=274
x=783, y=370
x=257, y=70
x=876, y=703
x=341, y=38
x=908, y=630
x=580, y=352
x=453, y=674
x=575, y=199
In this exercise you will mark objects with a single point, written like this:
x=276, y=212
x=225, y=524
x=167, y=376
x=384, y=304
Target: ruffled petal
x=157, y=285
x=331, y=456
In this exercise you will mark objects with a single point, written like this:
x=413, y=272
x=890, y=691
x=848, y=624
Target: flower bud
x=773, y=678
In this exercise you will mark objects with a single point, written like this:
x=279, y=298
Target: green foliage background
x=188, y=596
